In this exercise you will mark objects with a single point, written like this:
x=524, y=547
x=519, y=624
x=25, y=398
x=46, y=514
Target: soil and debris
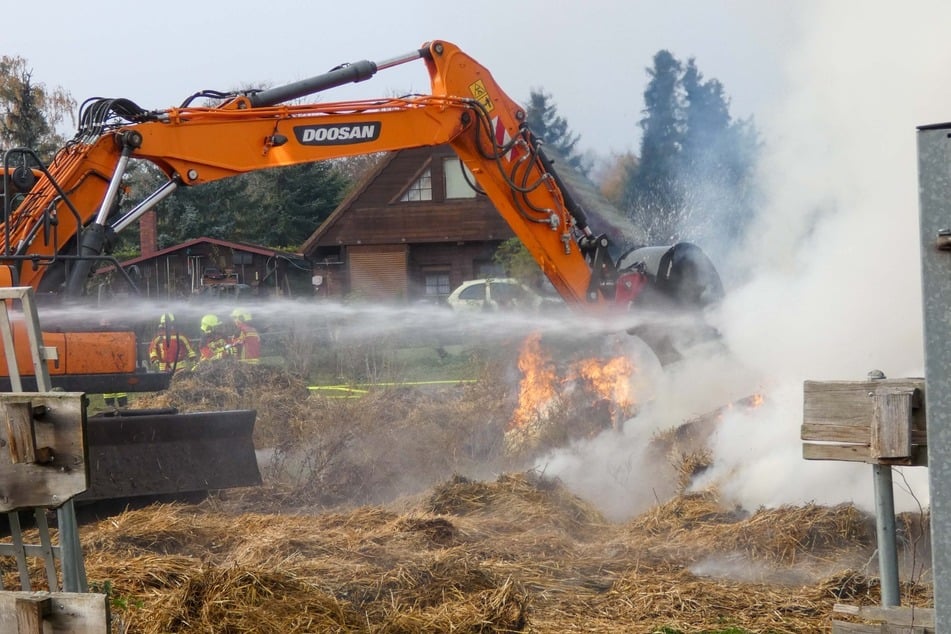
x=388, y=513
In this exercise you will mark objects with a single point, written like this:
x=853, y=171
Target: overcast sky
x=591, y=56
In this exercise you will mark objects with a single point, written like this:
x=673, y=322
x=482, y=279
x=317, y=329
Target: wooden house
x=412, y=230
x=211, y=267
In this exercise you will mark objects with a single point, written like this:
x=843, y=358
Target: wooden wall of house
x=461, y=260
x=377, y=217
x=169, y=275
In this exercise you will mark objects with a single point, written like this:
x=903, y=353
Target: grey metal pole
x=934, y=187
x=74, y=569
x=885, y=525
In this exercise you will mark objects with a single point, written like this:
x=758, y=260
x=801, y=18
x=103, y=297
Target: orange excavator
x=59, y=219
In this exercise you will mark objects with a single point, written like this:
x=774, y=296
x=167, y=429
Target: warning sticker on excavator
x=477, y=88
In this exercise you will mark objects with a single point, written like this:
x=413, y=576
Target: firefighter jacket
x=171, y=351
x=214, y=346
x=247, y=342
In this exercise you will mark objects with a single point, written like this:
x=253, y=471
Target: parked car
x=499, y=294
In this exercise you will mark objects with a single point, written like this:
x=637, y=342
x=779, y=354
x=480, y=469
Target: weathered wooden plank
x=843, y=627
x=891, y=422
x=20, y=437
x=850, y=402
x=836, y=432
x=848, y=453
x=898, y=615
x=860, y=453
x=30, y=612
x=850, y=434
x=69, y=612
x=65, y=472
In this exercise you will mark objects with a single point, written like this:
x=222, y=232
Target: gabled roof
x=346, y=203
x=237, y=246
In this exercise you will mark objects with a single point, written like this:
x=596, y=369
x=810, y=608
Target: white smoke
x=834, y=261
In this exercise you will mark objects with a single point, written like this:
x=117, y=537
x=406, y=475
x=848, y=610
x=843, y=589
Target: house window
x=422, y=189
x=456, y=184
x=437, y=284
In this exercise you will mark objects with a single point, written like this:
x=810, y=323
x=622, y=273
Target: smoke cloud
x=832, y=266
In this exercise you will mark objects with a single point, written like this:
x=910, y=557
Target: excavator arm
x=58, y=221
x=195, y=145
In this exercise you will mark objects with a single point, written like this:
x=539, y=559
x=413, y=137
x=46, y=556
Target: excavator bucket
x=682, y=282
x=145, y=453
x=681, y=277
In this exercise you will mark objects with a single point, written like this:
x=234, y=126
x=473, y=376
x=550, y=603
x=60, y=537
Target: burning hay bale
x=475, y=552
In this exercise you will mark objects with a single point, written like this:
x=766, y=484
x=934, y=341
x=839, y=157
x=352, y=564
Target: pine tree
x=544, y=121
x=654, y=194
x=694, y=177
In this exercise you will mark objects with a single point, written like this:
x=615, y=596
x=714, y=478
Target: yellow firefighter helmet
x=209, y=322
x=240, y=314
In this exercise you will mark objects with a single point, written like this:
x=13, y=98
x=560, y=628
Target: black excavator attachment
x=682, y=283
x=148, y=453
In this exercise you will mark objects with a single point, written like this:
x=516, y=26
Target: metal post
x=934, y=186
x=885, y=524
x=74, y=570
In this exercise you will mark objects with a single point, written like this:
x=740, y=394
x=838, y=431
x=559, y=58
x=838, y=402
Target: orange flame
x=609, y=380
x=537, y=389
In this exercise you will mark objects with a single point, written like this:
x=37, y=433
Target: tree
x=543, y=119
x=653, y=194
x=694, y=177
x=717, y=164
x=29, y=111
x=517, y=262
x=278, y=207
x=291, y=202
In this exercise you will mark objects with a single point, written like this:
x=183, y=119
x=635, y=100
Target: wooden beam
x=891, y=423
x=68, y=613
x=898, y=615
x=59, y=469
x=31, y=611
x=878, y=422
x=20, y=435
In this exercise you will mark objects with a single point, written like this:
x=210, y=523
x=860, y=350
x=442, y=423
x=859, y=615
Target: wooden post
x=891, y=422
x=54, y=612
x=20, y=434
x=30, y=611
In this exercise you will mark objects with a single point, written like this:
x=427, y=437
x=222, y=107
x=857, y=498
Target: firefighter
x=169, y=350
x=246, y=340
x=116, y=399
x=214, y=344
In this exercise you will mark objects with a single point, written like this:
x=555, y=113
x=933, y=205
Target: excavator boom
x=58, y=220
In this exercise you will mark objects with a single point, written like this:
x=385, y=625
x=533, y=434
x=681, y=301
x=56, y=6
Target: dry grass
x=516, y=554
x=387, y=514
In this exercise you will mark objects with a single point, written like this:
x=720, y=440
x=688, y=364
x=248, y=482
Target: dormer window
x=421, y=189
